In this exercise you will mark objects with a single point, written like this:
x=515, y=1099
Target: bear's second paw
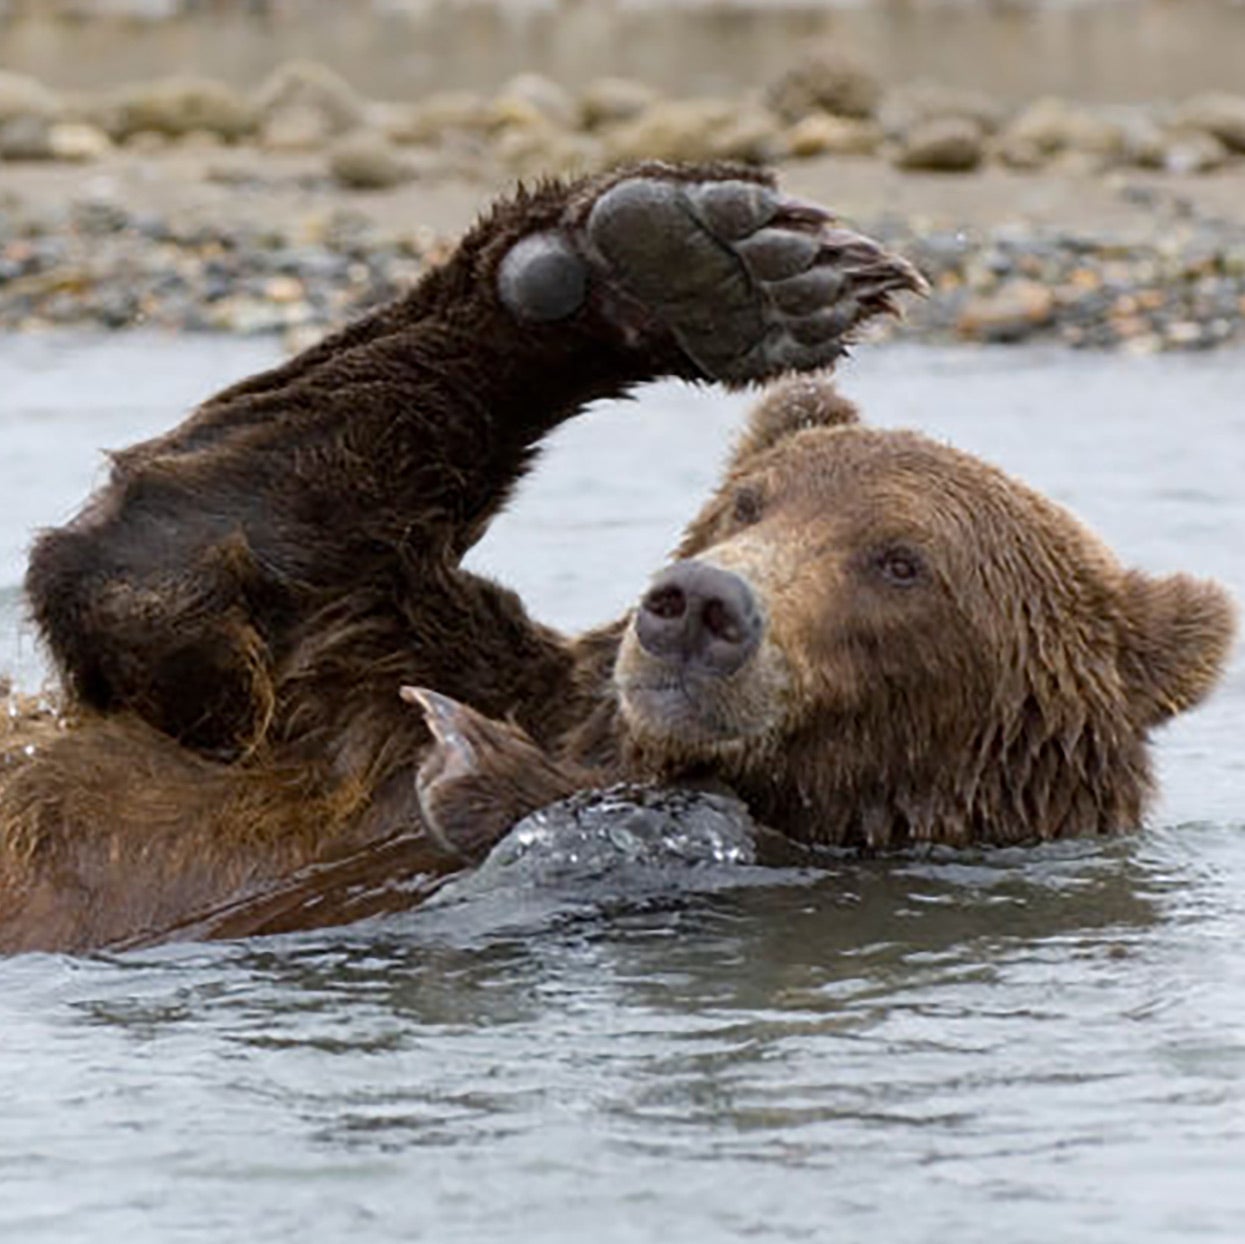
x=479, y=776
x=748, y=282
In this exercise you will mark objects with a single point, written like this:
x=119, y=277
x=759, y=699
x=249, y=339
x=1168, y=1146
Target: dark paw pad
x=543, y=278
x=748, y=282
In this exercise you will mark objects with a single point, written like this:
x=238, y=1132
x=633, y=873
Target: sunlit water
x=1021, y=1046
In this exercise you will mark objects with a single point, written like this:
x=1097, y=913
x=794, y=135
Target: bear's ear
x=1176, y=638
x=791, y=406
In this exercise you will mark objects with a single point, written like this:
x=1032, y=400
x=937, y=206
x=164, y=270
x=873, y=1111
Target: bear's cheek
x=851, y=646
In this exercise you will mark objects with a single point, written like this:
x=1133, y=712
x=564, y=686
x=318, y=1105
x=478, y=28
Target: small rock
x=1233, y=262
x=240, y=314
x=147, y=142
x=201, y=140
x=366, y=160
x=1074, y=163
x=519, y=114
x=752, y=135
x=300, y=337
x=950, y=145
x=696, y=129
x=826, y=79
x=1193, y=151
x=1186, y=334
x=611, y=101
x=1012, y=312
x=313, y=88
x=1129, y=327
x=533, y=93
x=21, y=96
x=295, y=127
x=1143, y=144
x=1144, y=345
x=1022, y=153
x=98, y=216
x=78, y=143
x=1217, y=113
x=532, y=150
x=1050, y=126
x=179, y=106
x=284, y=289
x=26, y=137
x=820, y=133
x=439, y=116
x=923, y=101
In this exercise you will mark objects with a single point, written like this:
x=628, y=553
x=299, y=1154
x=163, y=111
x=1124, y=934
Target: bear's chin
x=675, y=716
x=683, y=709
x=661, y=711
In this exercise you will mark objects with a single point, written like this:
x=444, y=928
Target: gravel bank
x=185, y=204
x=276, y=248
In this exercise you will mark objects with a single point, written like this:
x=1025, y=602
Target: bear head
x=877, y=640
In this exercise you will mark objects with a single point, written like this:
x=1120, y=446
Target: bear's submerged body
x=868, y=638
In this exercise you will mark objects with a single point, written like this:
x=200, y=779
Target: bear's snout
x=695, y=613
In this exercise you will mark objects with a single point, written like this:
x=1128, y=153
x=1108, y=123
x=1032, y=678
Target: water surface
x=1018, y=1045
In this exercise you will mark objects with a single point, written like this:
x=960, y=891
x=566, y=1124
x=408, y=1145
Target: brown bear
x=872, y=639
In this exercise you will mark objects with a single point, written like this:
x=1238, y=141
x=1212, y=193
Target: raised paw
x=479, y=776
x=748, y=282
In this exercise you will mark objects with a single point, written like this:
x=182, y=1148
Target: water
x=1024, y=1045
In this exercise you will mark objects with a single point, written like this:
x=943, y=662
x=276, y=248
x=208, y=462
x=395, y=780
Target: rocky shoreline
x=185, y=205
x=99, y=264
x=1182, y=289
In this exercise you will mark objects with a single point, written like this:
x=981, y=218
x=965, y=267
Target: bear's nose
x=695, y=612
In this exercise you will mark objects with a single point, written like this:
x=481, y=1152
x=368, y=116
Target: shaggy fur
x=234, y=614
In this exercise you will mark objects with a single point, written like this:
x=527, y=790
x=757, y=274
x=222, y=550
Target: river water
x=1021, y=1046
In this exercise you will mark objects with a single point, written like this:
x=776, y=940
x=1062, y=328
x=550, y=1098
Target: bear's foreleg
x=374, y=461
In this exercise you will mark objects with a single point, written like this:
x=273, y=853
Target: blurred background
x=1070, y=169
x=1101, y=50
x=1034, y=1045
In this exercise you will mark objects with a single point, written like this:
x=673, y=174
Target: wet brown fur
x=1006, y=697
x=234, y=614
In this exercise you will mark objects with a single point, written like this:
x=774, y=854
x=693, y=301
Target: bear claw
x=478, y=776
x=748, y=282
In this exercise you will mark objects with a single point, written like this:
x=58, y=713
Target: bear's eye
x=900, y=566
x=747, y=506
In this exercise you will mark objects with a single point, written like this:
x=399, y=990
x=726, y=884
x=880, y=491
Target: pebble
x=78, y=143
x=821, y=133
x=610, y=101
x=1219, y=114
x=943, y=145
x=1194, y=151
x=367, y=160
x=26, y=138
x=310, y=97
x=1010, y=313
x=826, y=79
x=1183, y=288
x=95, y=263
